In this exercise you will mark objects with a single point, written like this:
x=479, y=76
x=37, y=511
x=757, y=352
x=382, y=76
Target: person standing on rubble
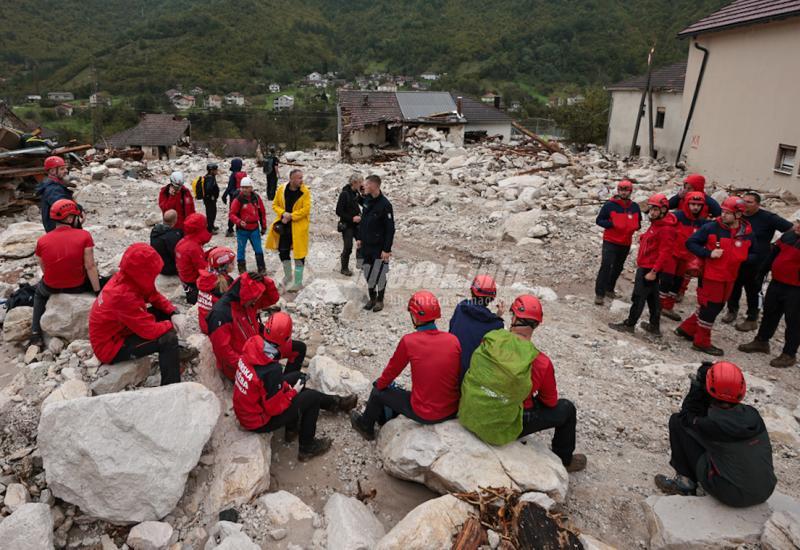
x=374, y=238
x=271, y=171
x=620, y=218
x=232, y=189
x=53, y=188
x=207, y=190
x=288, y=234
x=174, y=196
x=348, y=208
x=250, y=218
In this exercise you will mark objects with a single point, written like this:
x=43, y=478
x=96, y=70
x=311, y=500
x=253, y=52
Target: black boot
x=242, y=267
x=345, y=270
x=343, y=404
x=262, y=266
x=318, y=447
x=652, y=328
x=379, y=302
x=372, y=296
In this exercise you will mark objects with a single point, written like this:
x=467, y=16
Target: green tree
x=587, y=121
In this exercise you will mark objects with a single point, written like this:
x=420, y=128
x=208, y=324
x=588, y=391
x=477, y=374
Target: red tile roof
x=152, y=130
x=361, y=108
x=665, y=79
x=743, y=12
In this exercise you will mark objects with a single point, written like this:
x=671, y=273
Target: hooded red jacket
x=181, y=202
x=656, y=245
x=736, y=246
x=257, y=399
x=687, y=224
x=249, y=210
x=208, y=294
x=121, y=308
x=190, y=258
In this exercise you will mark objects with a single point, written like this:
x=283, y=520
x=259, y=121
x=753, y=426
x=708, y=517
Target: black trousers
x=751, y=280
x=686, y=452
x=166, y=346
x=191, y=291
x=782, y=300
x=611, y=263
x=644, y=293
x=398, y=401
x=563, y=417
x=272, y=186
x=211, y=212
x=298, y=348
x=348, y=235
x=43, y=293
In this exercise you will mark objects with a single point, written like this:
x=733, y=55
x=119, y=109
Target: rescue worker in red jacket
x=690, y=219
x=697, y=183
x=435, y=359
x=190, y=258
x=122, y=326
x=266, y=399
x=174, y=196
x=621, y=218
x=543, y=409
x=234, y=318
x=782, y=300
x=248, y=215
x=655, y=266
x=723, y=245
x=213, y=282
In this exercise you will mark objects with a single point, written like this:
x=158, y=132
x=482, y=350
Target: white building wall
x=622, y=121
x=361, y=142
x=491, y=129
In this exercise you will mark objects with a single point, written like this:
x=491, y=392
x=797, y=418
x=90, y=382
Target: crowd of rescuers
x=493, y=379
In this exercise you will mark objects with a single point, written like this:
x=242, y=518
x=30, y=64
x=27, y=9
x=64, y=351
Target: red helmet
x=53, y=162
x=63, y=208
x=697, y=182
x=733, y=204
x=659, y=200
x=527, y=306
x=484, y=286
x=424, y=307
x=278, y=329
x=220, y=256
x=696, y=197
x=725, y=381
x=625, y=184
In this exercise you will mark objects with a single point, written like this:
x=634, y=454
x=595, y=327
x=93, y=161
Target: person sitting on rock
x=174, y=196
x=435, y=366
x=234, y=318
x=472, y=318
x=620, y=218
x=543, y=409
x=248, y=215
x=718, y=442
x=66, y=256
x=265, y=398
x=213, y=282
x=190, y=258
x=164, y=238
x=123, y=327
x=53, y=188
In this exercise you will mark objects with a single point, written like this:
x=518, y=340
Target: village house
x=172, y=92
x=183, y=102
x=283, y=102
x=213, y=102
x=157, y=135
x=387, y=87
x=100, y=98
x=666, y=85
x=234, y=98
x=274, y=88
x=483, y=119
x=742, y=78
x=33, y=98
x=64, y=109
x=196, y=91
x=60, y=96
x=490, y=98
x=430, y=76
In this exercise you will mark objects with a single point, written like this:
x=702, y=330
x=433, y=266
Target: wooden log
x=472, y=536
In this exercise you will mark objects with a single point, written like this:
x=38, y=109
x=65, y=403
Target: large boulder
x=431, y=525
x=288, y=514
x=98, y=172
x=67, y=316
x=19, y=239
x=781, y=424
x=702, y=523
x=516, y=226
x=782, y=531
x=150, y=535
x=125, y=457
x=350, y=524
x=448, y=458
x=328, y=292
x=17, y=324
x=116, y=377
x=328, y=376
x=30, y=527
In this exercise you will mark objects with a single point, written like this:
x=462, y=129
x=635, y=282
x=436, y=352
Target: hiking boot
x=747, y=325
x=671, y=314
x=599, y=300
x=37, y=340
x=344, y=404
x=622, y=327
x=378, y=302
x=186, y=353
x=289, y=434
x=756, y=346
x=371, y=303
x=683, y=334
x=655, y=330
x=229, y=233
x=612, y=294
x=783, y=361
x=318, y=447
x=346, y=272
x=358, y=425
x=577, y=463
x=730, y=316
x=241, y=267
x=678, y=485
x=710, y=350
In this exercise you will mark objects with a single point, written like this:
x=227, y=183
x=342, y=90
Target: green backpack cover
x=497, y=383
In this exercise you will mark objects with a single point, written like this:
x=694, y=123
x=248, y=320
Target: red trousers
x=711, y=298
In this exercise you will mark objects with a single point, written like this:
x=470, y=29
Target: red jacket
x=250, y=211
x=657, y=243
x=735, y=245
x=544, y=387
x=230, y=323
x=620, y=219
x=190, y=258
x=208, y=294
x=687, y=224
x=181, y=202
x=121, y=308
x=257, y=399
x=435, y=359
x=786, y=265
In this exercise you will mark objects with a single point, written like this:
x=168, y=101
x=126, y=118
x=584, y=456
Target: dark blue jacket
x=231, y=190
x=714, y=209
x=51, y=191
x=376, y=230
x=470, y=323
x=764, y=225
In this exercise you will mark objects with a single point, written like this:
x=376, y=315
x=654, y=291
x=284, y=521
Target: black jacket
x=164, y=238
x=207, y=188
x=764, y=225
x=349, y=205
x=376, y=230
x=51, y=191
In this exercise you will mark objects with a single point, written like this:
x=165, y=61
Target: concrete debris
x=351, y=525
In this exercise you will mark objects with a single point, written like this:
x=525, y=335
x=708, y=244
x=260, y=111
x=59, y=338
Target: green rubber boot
x=287, y=272
x=298, y=277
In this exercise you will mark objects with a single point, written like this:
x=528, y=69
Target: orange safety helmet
x=220, y=256
x=725, y=382
x=658, y=200
x=424, y=307
x=278, y=329
x=53, y=162
x=625, y=184
x=63, y=208
x=527, y=307
x=696, y=197
x=733, y=204
x=484, y=286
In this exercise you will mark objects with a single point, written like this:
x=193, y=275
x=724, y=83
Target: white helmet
x=176, y=179
x=246, y=182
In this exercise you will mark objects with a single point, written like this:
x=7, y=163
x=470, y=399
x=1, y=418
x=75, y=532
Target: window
x=662, y=112
x=784, y=163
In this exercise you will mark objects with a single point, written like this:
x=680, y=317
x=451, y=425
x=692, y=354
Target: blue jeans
x=242, y=238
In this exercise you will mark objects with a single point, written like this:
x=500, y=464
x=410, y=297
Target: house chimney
x=497, y=102
x=459, y=105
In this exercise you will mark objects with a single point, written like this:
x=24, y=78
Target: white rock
x=432, y=524
x=328, y=291
x=720, y=195
x=454, y=152
x=30, y=354
x=283, y=507
x=591, y=543
x=19, y=239
x=116, y=377
x=71, y=389
x=537, y=231
x=781, y=424
x=448, y=458
x=559, y=159
x=55, y=345
x=493, y=539
x=328, y=376
x=150, y=535
x=545, y=293
x=67, y=316
x=30, y=527
x=618, y=306
x=522, y=181
x=431, y=146
x=455, y=162
x=516, y=226
x=292, y=156
x=540, y=499
x=98, y=172
x=226, y=535
x=17, y=324
x=782, y=531
x=16, y=496
x=125, y=457
x=114, y=162
x=351, y=525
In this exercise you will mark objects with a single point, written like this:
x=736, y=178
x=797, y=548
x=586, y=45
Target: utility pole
x=96, y=110
x=640, y=112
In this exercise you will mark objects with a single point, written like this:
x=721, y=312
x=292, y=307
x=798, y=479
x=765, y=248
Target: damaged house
x=370, y=121
x=157, y=135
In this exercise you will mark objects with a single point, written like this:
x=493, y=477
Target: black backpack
x=23, y=296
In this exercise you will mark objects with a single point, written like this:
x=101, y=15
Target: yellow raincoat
x=301, y=212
